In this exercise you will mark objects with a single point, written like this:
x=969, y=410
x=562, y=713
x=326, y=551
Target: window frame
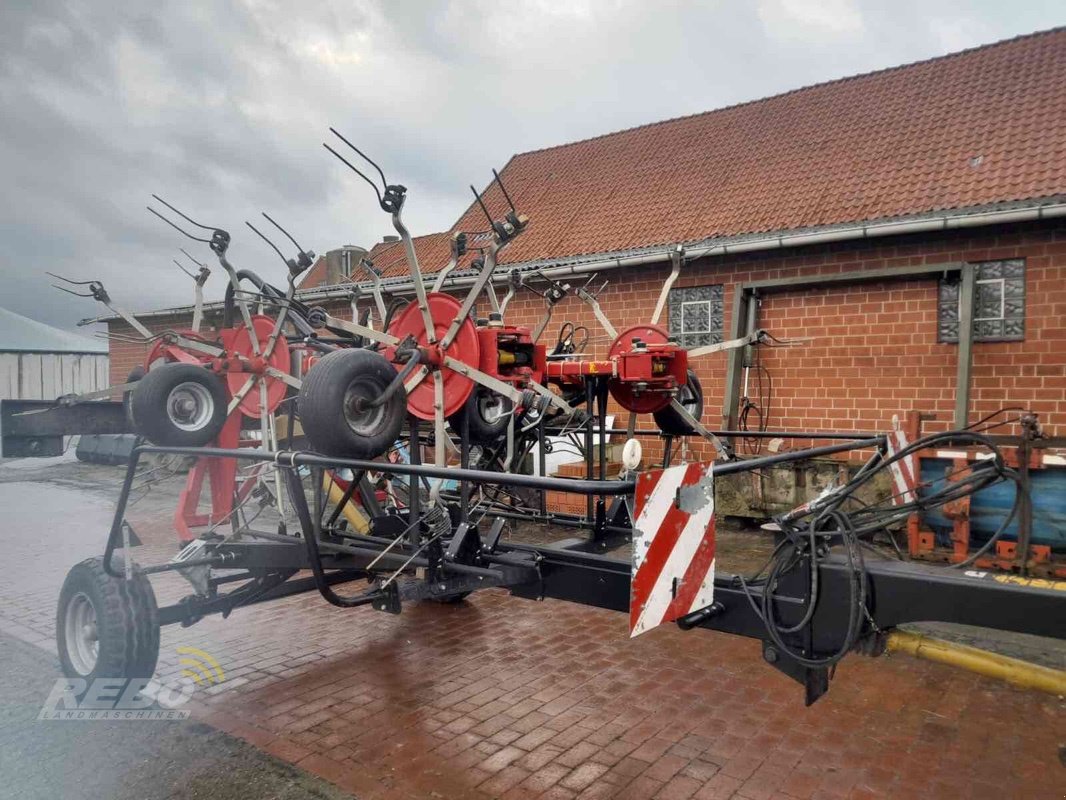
x=953, y=305
x=680, y=298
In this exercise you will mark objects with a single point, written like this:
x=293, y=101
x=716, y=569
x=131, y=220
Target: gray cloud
x=221, y=108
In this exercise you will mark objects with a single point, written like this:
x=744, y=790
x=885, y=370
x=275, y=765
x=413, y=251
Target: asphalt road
x=119, y=759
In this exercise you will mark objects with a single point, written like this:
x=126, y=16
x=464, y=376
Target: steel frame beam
x=745, y=319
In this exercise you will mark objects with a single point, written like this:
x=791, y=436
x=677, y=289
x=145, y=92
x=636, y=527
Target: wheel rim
x=491, y=407
x=190, y=406
x=686, y=396
x=81, y=633
x=364, y=420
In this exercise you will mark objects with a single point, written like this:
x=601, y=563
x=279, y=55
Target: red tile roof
x=980, y=127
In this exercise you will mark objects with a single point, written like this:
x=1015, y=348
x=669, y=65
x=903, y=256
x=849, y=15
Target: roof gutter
x=943, y=222
x=705, y=248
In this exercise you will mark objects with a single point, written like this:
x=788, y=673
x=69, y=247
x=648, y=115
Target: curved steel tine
x=287, y=234
x=184, y=216
x=175, y=227
x=482, y=204
x=193, y=260
x=182, y=268
x=70, y=291
x=373, y=185
x=384, y=182
x=68, y=280
x=265, y=239
x=503, y=189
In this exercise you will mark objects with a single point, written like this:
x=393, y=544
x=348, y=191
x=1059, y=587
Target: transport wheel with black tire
x=179, y=405
x=488, y=415
x=106, y=627
x=127, y=397
x=690, y=396
x=334, y=404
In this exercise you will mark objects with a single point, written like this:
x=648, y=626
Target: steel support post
x=735, y=365
x=965, y=355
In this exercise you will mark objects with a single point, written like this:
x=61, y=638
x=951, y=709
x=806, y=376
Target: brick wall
x=875, y=351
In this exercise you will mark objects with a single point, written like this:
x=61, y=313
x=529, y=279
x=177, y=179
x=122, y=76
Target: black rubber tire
x=482, y=431
x=326, y=413
x=150, y=406
x=127, y=622
x=691, y=397
x=127, y=397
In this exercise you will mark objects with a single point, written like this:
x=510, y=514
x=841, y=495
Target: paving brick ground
x=501, y=697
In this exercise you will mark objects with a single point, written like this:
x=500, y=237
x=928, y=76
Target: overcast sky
x=221, y=108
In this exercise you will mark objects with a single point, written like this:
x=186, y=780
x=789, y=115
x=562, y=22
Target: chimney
x=390, y=239
x=343, y=263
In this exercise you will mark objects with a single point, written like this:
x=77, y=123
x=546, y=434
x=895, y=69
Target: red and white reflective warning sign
x=673, y=545
x=904, y=471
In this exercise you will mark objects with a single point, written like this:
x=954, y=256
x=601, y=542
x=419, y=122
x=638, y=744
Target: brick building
x=858, y=212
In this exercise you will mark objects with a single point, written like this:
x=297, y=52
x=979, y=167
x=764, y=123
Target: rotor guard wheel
x=332, y=410
x=691, y=397
x=443, y=309
x=179, y=405
x=106, y=627
x=624, y=393
x=238, y=341
x=487, y=414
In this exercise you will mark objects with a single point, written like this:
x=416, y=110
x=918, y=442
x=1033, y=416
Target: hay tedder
x=391, y=451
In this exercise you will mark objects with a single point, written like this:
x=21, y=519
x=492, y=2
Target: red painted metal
x=673, y=545
x=236, y=341
x=647, y=377
x=221, y=474
x=465, y=347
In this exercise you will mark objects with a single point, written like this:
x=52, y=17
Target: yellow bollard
x=992, y=665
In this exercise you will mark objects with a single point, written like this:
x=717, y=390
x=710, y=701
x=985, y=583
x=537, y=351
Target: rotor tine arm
x=375, y=288
x=594, y=304
x=514, y=281
x=494, y=303
x=699, y=428
x=479, y=377
x=416, y=277
x=480, y=281
x=676, y=258
x=439, y=435
x=458, y=247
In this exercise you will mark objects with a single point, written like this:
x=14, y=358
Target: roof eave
x=971, y=217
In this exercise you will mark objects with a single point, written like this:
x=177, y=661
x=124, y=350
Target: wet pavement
x=503, y=697
x=127, y=760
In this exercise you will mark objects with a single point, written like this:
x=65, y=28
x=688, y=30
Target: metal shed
x=40, y=362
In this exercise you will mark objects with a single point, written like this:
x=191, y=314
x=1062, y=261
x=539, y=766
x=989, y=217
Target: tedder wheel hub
x=628, y=395
x=189, y=406
x=444, y=309
x=83, y=638
x=363, y=417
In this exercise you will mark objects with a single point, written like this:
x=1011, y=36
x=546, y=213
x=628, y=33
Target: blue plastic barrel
x=990, y=506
